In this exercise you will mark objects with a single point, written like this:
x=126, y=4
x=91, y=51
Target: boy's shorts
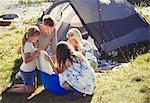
x=28, y=77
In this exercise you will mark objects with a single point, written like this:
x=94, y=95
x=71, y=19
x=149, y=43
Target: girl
x=75, y=38
x=73, y=71
x=27, y=69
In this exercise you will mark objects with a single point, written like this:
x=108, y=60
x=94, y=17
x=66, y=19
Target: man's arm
x=53, y=46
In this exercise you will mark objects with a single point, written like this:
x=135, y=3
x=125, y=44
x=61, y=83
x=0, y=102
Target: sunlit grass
x=139, y=7
x=126, y=85
x=31, y=1
x=9, y=44
x=141, y=4
x=8, y=47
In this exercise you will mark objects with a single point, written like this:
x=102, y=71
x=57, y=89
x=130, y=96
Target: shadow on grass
x=147, y=100
x=16, y=69
x=44, y=97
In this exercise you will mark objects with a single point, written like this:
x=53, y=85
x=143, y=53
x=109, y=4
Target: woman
x=73, y=71
x=75, y=38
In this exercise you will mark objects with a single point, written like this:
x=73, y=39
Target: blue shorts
x=52, y=84
x=28, y=77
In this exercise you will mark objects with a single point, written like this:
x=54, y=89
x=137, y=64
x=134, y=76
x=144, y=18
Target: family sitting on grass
x=72, y=62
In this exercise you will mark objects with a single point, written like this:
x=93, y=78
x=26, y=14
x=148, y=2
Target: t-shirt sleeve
x=28, y=47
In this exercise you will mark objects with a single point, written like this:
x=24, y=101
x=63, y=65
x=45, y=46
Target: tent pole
x=102, y=51
x=82, y=21
x=116, y=42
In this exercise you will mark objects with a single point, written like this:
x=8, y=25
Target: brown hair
x=32, y=31
x=47, y=20
x=64, y=52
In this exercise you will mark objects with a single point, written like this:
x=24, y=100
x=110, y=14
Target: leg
x=17, y=85
x=28, y=86
x=36, y=92
x=22, y=89
x=28, y=78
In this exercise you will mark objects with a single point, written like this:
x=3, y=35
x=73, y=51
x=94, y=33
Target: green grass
x=9, y=44
x=147, y=17
x=140, y=7
x=126, y=85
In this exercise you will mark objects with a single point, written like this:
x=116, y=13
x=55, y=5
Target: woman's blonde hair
x=75, y=34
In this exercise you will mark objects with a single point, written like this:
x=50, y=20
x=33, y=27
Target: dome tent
x=111, y=23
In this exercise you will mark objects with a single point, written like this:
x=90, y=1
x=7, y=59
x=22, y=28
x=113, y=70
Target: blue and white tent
x=111, y=23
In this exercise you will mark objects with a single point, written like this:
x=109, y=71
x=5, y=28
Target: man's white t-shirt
x=30, y=66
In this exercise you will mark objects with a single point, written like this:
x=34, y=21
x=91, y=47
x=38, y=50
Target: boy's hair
x=47, y=20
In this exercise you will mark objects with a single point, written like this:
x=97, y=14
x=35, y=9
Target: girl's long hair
x=64, y=52
x=32, y=31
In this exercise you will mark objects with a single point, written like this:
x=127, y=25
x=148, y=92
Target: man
x=47, y=41
x=48, y=38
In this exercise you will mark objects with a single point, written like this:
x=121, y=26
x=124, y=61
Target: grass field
x=125, y=85
x=9, y=44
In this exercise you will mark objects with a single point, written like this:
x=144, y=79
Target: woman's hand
x=66, y=85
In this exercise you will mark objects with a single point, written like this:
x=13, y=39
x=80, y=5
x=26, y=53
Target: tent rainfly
x=111, y=23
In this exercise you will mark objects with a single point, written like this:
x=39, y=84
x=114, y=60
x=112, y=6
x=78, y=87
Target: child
x=75, y=38
x=27, y=69
x=73, y=72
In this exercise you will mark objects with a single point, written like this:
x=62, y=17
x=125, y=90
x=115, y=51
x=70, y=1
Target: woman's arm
x=67, y=86
x=52, y=64
x=29, y=57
